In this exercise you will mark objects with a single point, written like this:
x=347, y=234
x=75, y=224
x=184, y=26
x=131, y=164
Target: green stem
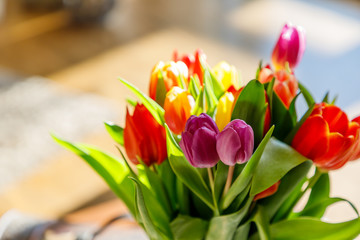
x=229, y=179
x=212, y=186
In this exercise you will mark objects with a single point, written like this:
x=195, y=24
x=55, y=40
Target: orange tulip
x=285, y=86
x=268, y=192
x=328, y=138
x=178, y=105
x=193, y=62
x=144, y=137
x=172, y=74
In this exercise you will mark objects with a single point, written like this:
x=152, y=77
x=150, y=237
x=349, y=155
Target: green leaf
x=224, y=227
x=194, y=86
x=307, y=95
x=295, y=129
x=242, y=232
x=160, y=90
x=216, y=85
x=326, y=98
x=149, y=226
x=282, y=118
x=114, y=172
x=169, y=180
x=186, y=227
x=277, y=159
x=250, y=107
x=156, y=186
x=220, y=179
x=131, y=102
x=317, y=209
x=199, y=104
x=258, y=69
x=210, y=97
x=311, y=228
x=288, y=184
x=183, y=197
x=262, y=223
x=242, y=181
x=116, y=132
x=154, y=108
x=185, y=172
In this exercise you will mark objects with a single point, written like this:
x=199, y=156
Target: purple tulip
x=289, y=48
x=198, y=141
x=235, y=143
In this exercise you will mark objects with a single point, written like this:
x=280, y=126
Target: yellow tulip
x=224, y=110
x=227, y=75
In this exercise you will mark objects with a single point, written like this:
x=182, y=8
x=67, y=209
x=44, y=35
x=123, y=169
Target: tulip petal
x=336, y=118
x=185, y=145
x=204, y=148
x=228, y=145
x=311, y=140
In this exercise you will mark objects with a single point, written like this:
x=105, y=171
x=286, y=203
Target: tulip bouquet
x=210, y=157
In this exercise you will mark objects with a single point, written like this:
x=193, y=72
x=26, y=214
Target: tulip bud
x=178, y=105
x=268, y=192
x=193, y=62
x=289, y=48
x=227, y=75
x=144, y=137
x=235, y=144
x=285, y=86
x=171, y=73
x=198, y=141
x=224, y=110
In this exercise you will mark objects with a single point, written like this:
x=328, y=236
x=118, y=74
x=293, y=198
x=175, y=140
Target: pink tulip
x=289, y=48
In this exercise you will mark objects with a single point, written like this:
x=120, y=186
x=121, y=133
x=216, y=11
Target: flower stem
x=212, y=186
x=229, y=179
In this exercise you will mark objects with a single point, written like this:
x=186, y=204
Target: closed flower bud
x=227, y=75
x=193, y=62
x=144, y=137
x=171, y=73
x=178, y=105
x=289, y=48
x=198, y=141
x=224, y=110
x=235, y=144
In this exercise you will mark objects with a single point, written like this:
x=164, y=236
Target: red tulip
x=268, y=192
x=289, y=48
x=328, y=138
x=144, y=137
x=193, y=62
x=178, y=105
x=285, y=86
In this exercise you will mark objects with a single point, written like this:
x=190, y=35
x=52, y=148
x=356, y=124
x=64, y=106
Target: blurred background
x=59, y=63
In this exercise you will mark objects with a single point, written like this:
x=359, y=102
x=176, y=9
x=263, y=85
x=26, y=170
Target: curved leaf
x=154, y=108
x=250, y=107
x=113, y=171
x=116, y=132
x=311, y=228
x=277, y=159
x=150, y=228
x=186, y=227
x=224, y=227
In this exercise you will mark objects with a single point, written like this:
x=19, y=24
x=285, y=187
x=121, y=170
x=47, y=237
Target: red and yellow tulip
x=172, y=73
x=178, y=105
x=144, y=137
x=328, y=138
x=193, y=62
